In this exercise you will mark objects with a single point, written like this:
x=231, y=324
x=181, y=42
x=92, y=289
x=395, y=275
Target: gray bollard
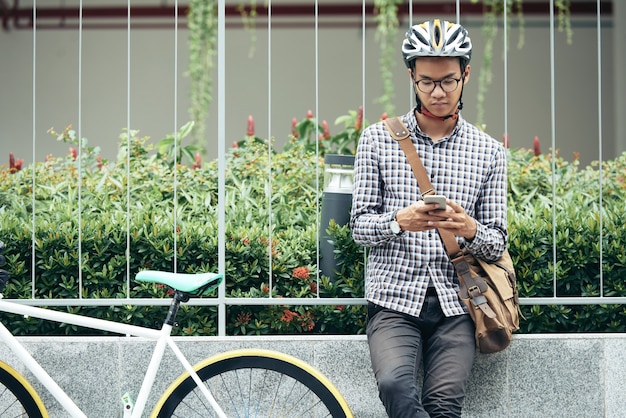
x=336, y=204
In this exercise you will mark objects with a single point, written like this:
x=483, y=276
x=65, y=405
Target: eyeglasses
x=447, y=84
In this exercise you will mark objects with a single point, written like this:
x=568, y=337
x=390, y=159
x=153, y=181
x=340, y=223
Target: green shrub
x=146, y=204
x=136, y=193
x=564, y=210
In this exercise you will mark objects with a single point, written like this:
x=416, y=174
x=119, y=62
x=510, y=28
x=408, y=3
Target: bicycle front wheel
x=17, y=397
x=254, y=383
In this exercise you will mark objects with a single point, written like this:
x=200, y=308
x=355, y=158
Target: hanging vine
x=564, y=22
x=387, y=24
x=248, y=15
x=493, y=9
x=202, y=24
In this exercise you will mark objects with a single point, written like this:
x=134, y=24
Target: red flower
x=313, y=286
x=294, y=123
x=243, y=317
x=15, y=165
x=73, y=153
x=250, y=131
x=265, y=241
x=325, y=130
x=358, y=124
x=288, y=316
x=384, y=116
x=169, y=292
x=536, y=146
x=198, y=163
x=307, y=322
x=309, y=114
x=301, y=273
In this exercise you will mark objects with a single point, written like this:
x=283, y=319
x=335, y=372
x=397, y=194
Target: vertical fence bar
x=128, y=149
x=600, y=151
x=176, y=145
x=411, y=88
x=363, y=89
x=553, y=151
x=80, y=150
x=221, y=155
x=269, y=154
x=317, y=144
x=34, y=142
x=505, y=41
x=363, y=37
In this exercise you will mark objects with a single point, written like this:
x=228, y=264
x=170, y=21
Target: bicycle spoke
x=246, y=394
x=255, y=386
x=17, y=398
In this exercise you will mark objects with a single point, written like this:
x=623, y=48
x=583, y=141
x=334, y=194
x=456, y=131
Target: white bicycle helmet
x=436, y=38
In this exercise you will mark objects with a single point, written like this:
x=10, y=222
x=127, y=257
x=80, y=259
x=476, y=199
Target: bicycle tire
x=17, y=397
x=251, y=383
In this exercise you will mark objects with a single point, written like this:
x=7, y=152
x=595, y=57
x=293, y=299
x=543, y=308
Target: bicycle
x=238, y=383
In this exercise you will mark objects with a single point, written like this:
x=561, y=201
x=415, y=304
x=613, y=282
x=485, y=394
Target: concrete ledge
x=537, y=376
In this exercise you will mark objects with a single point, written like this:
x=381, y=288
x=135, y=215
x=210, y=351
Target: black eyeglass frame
x=435, y=82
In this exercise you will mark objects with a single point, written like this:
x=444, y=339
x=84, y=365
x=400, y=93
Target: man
x=415, y=317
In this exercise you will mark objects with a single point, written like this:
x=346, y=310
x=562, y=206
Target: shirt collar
x=411, y=123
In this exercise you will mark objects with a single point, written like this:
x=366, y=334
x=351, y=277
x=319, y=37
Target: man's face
x=439, y=83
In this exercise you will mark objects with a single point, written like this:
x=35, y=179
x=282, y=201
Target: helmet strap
x=427, y=113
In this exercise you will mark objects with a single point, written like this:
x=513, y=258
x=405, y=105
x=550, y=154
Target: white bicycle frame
x=162, y=337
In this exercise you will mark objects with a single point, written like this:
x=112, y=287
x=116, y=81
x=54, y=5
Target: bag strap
x=400, y=133
x=471, y=287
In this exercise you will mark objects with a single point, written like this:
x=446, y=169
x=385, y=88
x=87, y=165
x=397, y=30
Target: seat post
x=179, y=297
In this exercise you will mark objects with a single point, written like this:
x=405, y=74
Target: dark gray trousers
x=398, y=345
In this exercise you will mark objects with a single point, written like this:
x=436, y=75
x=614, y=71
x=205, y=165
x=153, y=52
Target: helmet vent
x=437, y=35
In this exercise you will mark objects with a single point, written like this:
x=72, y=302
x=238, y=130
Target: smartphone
x=436, y=198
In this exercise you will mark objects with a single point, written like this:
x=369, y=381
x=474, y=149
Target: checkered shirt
x=468, y=167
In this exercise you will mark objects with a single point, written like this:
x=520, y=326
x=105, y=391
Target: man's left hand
x=454, y=219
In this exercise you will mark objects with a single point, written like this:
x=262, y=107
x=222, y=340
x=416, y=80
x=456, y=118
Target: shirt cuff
x=387, y=222
x=476, y=244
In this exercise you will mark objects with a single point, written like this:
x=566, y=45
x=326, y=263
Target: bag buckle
x=474, y=291
x=480, y=301
x=476, y=295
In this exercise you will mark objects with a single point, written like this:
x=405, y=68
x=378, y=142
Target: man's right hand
x=422, y=216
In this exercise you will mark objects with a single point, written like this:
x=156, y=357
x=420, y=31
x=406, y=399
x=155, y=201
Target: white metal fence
x=410, y=11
